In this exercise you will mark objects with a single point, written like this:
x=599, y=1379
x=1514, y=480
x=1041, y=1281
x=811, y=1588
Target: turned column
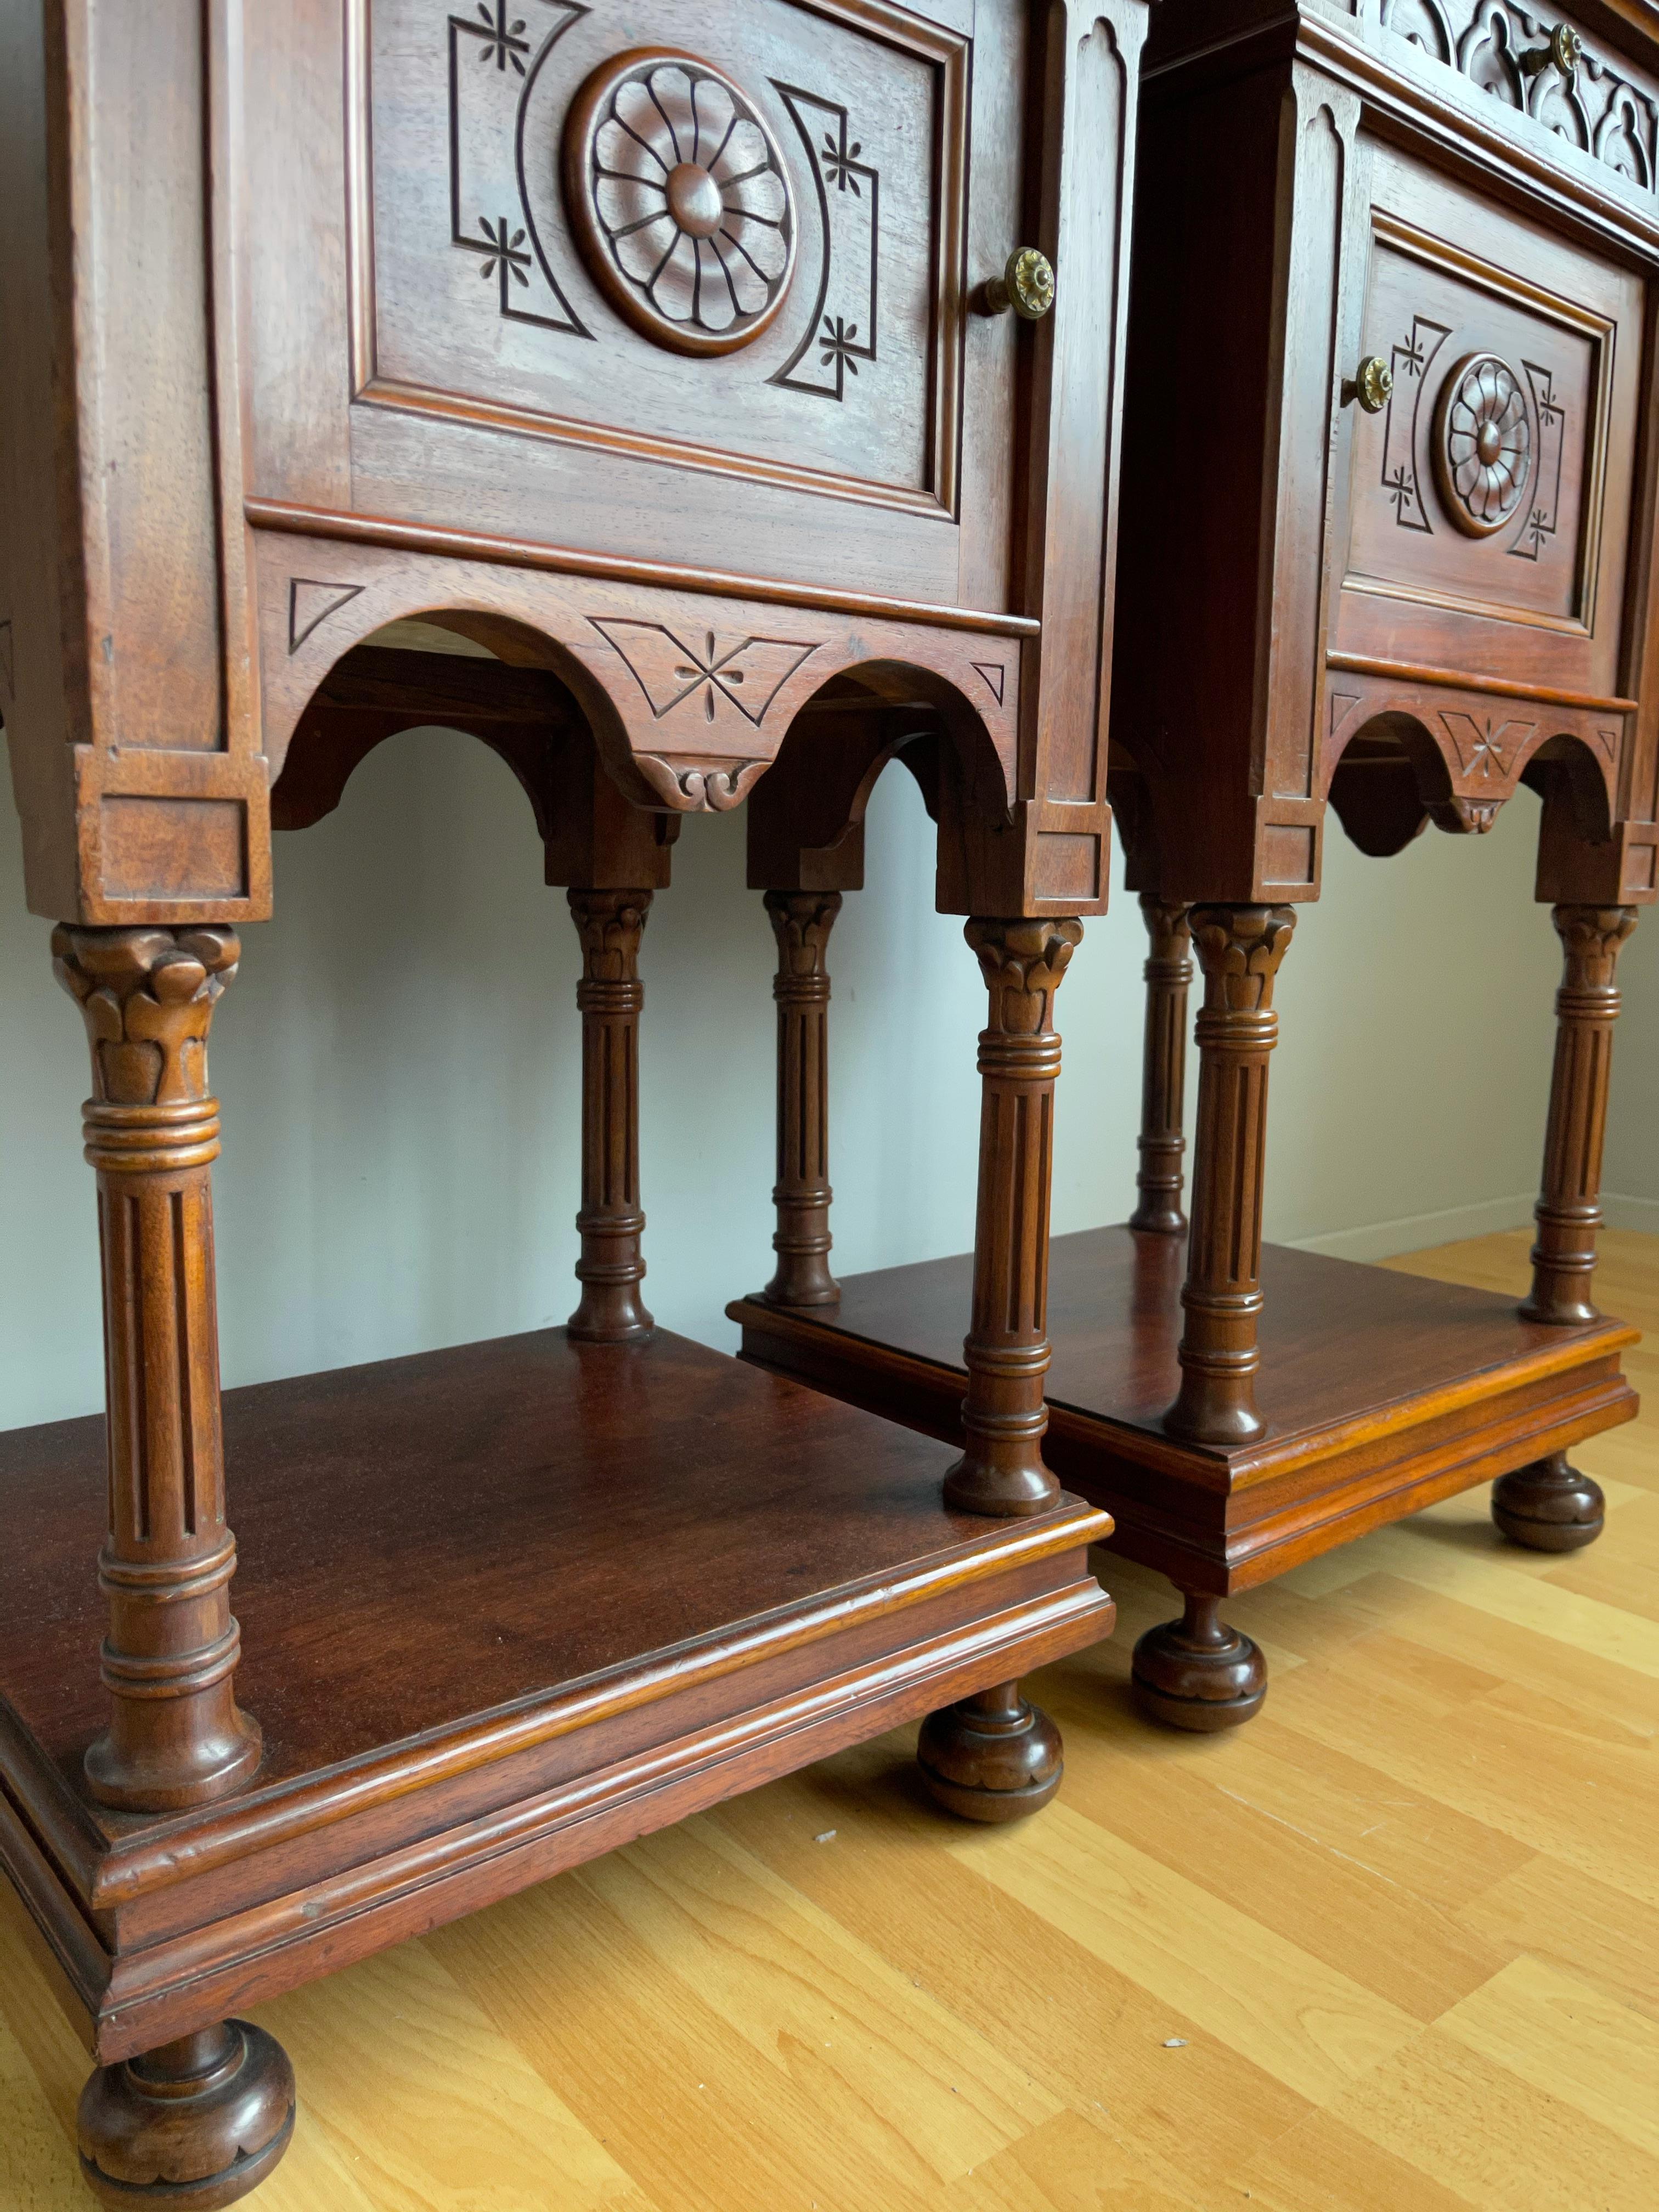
x=1568, y=1210
x=1240, y=948
x=176, y=1737
x=801, y=922
x=1550, y=1505
x=1164, y=1069
x=1003, y=1417
x=610, y=995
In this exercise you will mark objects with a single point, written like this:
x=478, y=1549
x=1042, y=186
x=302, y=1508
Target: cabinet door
x=1490, y=497
x=664, y=283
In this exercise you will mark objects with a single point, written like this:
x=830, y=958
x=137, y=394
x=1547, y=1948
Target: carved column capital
x=1241, y=948
x=1170, y=940
x=1591, y=939
x=147, y=998
x=801, y=922
x=610, y=925
x=1022, y=964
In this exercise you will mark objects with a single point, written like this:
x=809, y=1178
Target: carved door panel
x=1490, y=493
x=690, y=284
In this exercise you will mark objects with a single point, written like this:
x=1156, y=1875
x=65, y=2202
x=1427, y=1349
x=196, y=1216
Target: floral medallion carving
x=1482, y=443
x=680, y=201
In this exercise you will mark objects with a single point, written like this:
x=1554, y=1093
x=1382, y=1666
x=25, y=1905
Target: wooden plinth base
x=503, y=1608
x=1382, y=1392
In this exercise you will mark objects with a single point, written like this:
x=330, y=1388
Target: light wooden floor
x=1395, y=1945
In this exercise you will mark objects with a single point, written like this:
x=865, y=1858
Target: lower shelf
x=503, y=1607
x=1384, y=1392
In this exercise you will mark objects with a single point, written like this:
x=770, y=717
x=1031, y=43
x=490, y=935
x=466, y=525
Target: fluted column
x=1240, y=948
x=801, y=922
x=1569, y=1209
x=1003, y=1417
x=610, y=995
x=176, y=1736
x=1164, y=1069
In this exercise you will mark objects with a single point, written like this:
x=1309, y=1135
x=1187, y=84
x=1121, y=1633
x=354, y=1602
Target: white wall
x=398, y=1063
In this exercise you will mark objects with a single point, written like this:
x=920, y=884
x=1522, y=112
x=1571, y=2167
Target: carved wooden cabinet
x=1387, y=526
x=744, y=379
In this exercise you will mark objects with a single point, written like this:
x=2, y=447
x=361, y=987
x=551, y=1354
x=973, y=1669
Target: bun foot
x=1197, y=1672
x=1548, y=1506
x=194, y=2125
x=994, y=1757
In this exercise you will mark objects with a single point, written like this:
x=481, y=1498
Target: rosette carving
x=680, y=201
x=1482, y=444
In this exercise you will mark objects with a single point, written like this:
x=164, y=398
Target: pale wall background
x=397, y=1064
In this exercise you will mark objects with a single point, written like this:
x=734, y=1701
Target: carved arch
x=806, y=816
x=1403, y=766
x=689, y=694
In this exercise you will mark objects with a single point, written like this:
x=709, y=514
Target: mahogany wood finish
x=1380, y=1393
x=649, y=358
x=1241, y=950
x=1569, y=1210
x=1197, y=1672
x=1549, y=1506
x=1003, y=1416
x=801, y=922
x=176, y=1737
x=1168, y=974
x=610, y=925
x=197, y=2122
x=456, y=1733
x=991, y=1757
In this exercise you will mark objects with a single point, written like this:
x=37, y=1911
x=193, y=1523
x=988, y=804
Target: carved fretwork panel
x=1489, y=495
x=566, y=200
x=1540, y=66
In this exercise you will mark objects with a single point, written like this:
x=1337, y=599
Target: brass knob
x=1372, y=385
x=1026, y=285
x=1562, y=52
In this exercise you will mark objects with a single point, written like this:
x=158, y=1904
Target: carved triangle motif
x=310, y=602
x=8, y=674
x=994, y=674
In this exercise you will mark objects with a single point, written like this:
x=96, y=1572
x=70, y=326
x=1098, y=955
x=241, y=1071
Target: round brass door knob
x=1026, y=285
x=1373, y=385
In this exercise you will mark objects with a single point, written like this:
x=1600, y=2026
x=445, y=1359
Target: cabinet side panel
x=42, y=625
x=145, y=374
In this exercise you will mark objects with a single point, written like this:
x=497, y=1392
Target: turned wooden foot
x=1197, y=1672
x=197, y=2124
x=1548, y=1506
x=994, y=1757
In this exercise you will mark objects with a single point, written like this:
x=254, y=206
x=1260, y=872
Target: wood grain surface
x=1394, y=1947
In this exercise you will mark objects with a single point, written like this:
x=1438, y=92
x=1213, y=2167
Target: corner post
x=176, y=1736
x=1569, y=1209
x=801, y=922
x=610, y=923
x=1003, y=1417
x=1240, y=948
x=1164, y=1070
